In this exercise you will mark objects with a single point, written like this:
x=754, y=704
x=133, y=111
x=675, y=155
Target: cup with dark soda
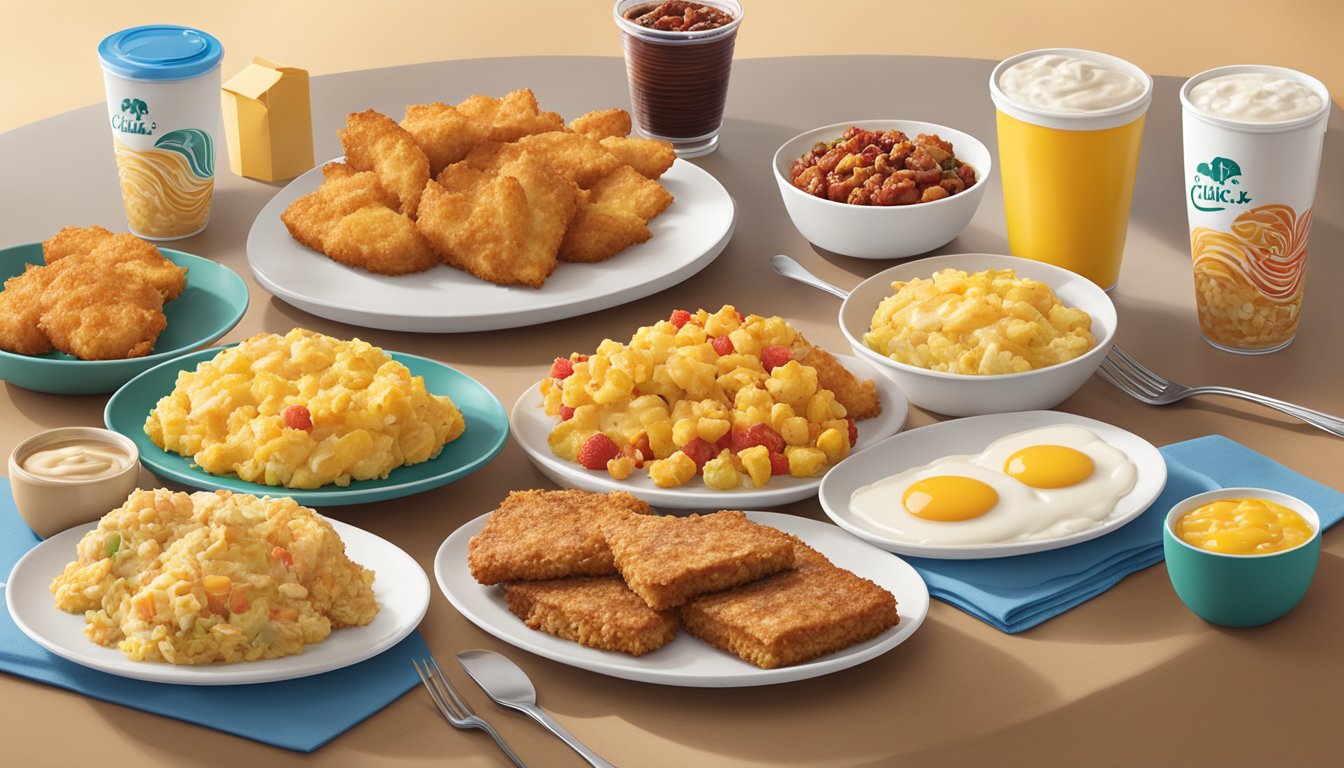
x=678, y=56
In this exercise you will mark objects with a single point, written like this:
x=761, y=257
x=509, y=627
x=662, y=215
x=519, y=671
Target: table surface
x=1130, y=677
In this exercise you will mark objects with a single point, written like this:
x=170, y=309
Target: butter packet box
x=268, y=121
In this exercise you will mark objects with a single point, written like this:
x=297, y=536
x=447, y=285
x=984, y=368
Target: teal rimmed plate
x=211, y=305
x=487, y=431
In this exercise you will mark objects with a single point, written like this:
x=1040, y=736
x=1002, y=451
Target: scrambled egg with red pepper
x=303, y=410
x=213, y=577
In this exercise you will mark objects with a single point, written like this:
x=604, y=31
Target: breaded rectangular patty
x=669, y=560
x=599, y=612
x=790, y=617
x=548, y=534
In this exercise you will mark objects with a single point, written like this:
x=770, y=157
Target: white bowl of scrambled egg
x=963, y=336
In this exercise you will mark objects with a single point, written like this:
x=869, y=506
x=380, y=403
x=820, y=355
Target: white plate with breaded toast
x=687, y=660
x=687, y=237
x=530, y=427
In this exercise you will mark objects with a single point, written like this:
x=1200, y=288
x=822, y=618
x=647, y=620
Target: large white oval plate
x=969, y=436
x=401, y=587
x=530, y=427
x=687, y=660
x=687, y=236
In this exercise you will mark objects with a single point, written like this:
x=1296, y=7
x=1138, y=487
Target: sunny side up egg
x=1039, y=484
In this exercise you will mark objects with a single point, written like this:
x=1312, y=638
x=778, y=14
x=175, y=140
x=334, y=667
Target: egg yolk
x=1243, y=527
x=949, y=498
x=1049, y=466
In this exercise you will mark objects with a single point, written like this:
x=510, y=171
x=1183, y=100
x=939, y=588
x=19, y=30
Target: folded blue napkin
x=301, y=714
x=1017, y=593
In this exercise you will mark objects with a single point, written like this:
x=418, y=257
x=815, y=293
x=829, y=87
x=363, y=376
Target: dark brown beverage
x=679, y=56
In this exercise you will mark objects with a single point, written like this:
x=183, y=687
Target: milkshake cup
x=678, y=79
x=1070, y=123
x=1252, y=140
x=162, y=86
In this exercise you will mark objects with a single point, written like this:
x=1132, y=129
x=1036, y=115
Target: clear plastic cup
x=679, y=80
x=1249, y=189
x=1068, y=177
x=163, y=108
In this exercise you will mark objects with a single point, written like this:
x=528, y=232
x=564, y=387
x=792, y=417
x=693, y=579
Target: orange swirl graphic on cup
x=163, y=195
x=1249, y=281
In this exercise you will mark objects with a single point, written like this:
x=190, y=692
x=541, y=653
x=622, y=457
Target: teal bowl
x=211, y=305
x=1241, y=590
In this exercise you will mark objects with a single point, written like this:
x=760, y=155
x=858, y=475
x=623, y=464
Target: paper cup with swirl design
x=1249, y=188
x=163, y=106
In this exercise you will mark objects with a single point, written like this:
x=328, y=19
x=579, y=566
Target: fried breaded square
x=858, y=396
x=443, y=133
x=374, y=142
x=548, y=534
x=791, y=617
x=508, y=230
x=70, y=241
x=651, y=158
x=668, y=560
x=94, y=318
x=512, y=117
x=613, y=216
x=21, y=310
x=602, y=123
x=343, y=191
x=128, y=254
x=380, y=240
x=599, y=612
x=577, y=157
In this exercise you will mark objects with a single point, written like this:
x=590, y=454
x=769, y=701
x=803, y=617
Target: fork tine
x=1139, y=368
x=452, y=692
x=427, y=678
x=1140, y=384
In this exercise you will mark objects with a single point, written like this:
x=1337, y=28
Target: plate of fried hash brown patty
x=732, y=617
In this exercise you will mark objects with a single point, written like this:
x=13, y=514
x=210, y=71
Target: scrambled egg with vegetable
x=986, y=323
x=716, y=395
x=303, y=410
x=213, y=577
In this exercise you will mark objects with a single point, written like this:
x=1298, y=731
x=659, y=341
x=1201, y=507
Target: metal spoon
x=795, y=271
x=509, y=686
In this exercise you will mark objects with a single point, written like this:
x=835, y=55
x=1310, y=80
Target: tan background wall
x=48, y=63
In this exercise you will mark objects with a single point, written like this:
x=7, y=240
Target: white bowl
x=956, y=394
x=874, y=231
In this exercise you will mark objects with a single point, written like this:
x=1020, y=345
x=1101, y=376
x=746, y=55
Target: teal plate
x=487, y=431
x=211, y=305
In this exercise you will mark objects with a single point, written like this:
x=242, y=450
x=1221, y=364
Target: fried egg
x=1039, y=484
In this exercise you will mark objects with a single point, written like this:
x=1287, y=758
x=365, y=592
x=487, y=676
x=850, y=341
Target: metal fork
x=452, y=707
x=1131, y=377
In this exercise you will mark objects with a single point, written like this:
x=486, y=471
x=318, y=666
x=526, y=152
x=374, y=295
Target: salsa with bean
x=678, y=16
x=865, y=167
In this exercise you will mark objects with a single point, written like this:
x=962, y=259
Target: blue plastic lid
x=159, y=52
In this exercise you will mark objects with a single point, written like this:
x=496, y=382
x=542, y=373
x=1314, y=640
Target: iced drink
x=678, y=56
x=163, y=108
x=1252, y=138
x=1070, y=123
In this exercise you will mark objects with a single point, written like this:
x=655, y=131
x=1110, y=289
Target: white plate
x=401, y=587
x=530, y=426
x=968, y=436
x=686, y=238
x=687, y=660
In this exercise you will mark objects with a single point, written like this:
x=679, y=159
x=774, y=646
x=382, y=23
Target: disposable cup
x=162, y=85
x=679, y=80
x=1249, y=191
x=1068, y=178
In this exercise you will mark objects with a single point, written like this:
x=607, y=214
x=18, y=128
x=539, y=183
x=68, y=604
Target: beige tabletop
x=1130, y=677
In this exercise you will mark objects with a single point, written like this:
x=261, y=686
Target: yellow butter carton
x=268, y=121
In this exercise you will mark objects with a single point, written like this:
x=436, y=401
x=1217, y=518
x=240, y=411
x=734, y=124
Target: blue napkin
x=1017, y=593
x=301, y=714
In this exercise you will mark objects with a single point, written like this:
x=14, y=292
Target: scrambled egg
x=213, y=577
x=303, y=410
x=986, y=323
x=670, y=400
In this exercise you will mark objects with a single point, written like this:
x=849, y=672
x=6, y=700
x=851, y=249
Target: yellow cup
x=1068, y=178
